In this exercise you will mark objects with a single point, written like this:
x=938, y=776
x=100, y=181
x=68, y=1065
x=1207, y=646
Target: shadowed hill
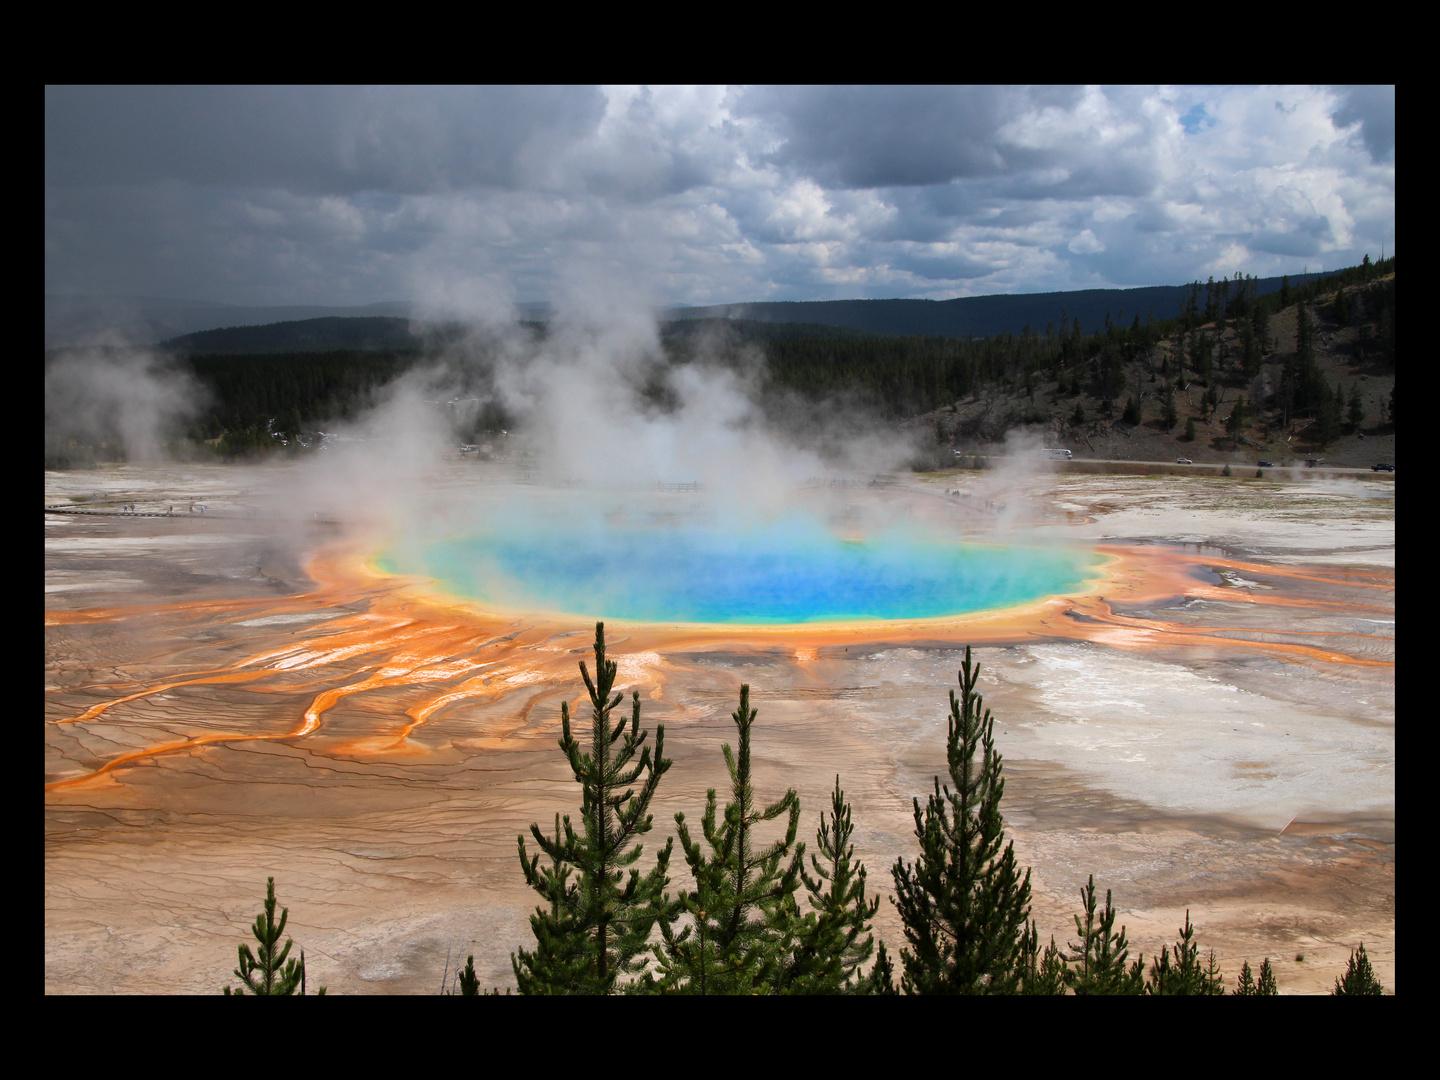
x=978, y=316
x=304, y=335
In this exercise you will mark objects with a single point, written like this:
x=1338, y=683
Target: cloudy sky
x=472, y=198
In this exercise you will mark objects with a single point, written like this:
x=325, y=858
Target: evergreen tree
x=1359, y=977
x=1248, y=986
x=1385, y=331
x=963, y=903
x=1170, y=417
x=1304, y=339
x=1245, y=984
x=1112, y=373
x=742, y=912
x=556, y=940
x=881, y=980
x=1100, y=954
x=828, y=948
x=1189, y=429
x=1044, y=975
x=1260, y=326
x=595, y=929
x=1132, y=414
x=1204, y=358
x=1331, y=403
x=1077, y=418
x=1238, y=418
x=1265, y=986
x=469, y=981
x=1249, y=351
x=1212, y=983
x=1356, y=414
x=270, y=975
x=1185, y=976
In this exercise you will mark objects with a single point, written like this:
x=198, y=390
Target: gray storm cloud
x=315, y=139
x=334, y=195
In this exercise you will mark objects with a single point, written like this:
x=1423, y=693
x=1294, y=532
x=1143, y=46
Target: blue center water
x=794, y=571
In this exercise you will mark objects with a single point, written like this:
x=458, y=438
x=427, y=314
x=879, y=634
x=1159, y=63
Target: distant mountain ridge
x=304, y=335
x=147, y=320
x=978, y=316
x=185, y=323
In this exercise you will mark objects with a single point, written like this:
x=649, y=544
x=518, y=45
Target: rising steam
x=113, y=396
x=598, y=411
x=602, y=421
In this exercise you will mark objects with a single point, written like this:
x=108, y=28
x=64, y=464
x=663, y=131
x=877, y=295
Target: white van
x=1062, y=454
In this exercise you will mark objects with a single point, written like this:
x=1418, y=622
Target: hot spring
x=791, y=571
x=216, y=714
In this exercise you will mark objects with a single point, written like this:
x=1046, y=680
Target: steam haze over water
x=791, y=571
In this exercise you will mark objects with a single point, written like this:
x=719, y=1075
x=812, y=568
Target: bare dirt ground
x=1226, y=749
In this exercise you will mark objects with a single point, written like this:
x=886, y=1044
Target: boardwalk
x=113, y=512
x=180, y=515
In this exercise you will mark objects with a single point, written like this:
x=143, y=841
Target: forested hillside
x=1291, y=371
x=303, y=335
x=254, y=397
x=984, y=316
x=1304, y=374
x=1295, y=371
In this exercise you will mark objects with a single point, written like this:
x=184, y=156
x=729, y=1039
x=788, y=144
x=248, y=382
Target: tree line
x=254, y=397
x=760, y=919
x=275, y=402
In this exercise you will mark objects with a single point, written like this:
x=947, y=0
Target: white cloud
x=1085, y=244
x=343, y=195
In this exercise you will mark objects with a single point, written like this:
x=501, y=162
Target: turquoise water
x=788, y=572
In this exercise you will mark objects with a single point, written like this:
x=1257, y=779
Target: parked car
x=1265, y=464
x=1183, y=461
x=1382, y=467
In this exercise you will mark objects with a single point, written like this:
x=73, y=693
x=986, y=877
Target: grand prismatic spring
x=1193, y=680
